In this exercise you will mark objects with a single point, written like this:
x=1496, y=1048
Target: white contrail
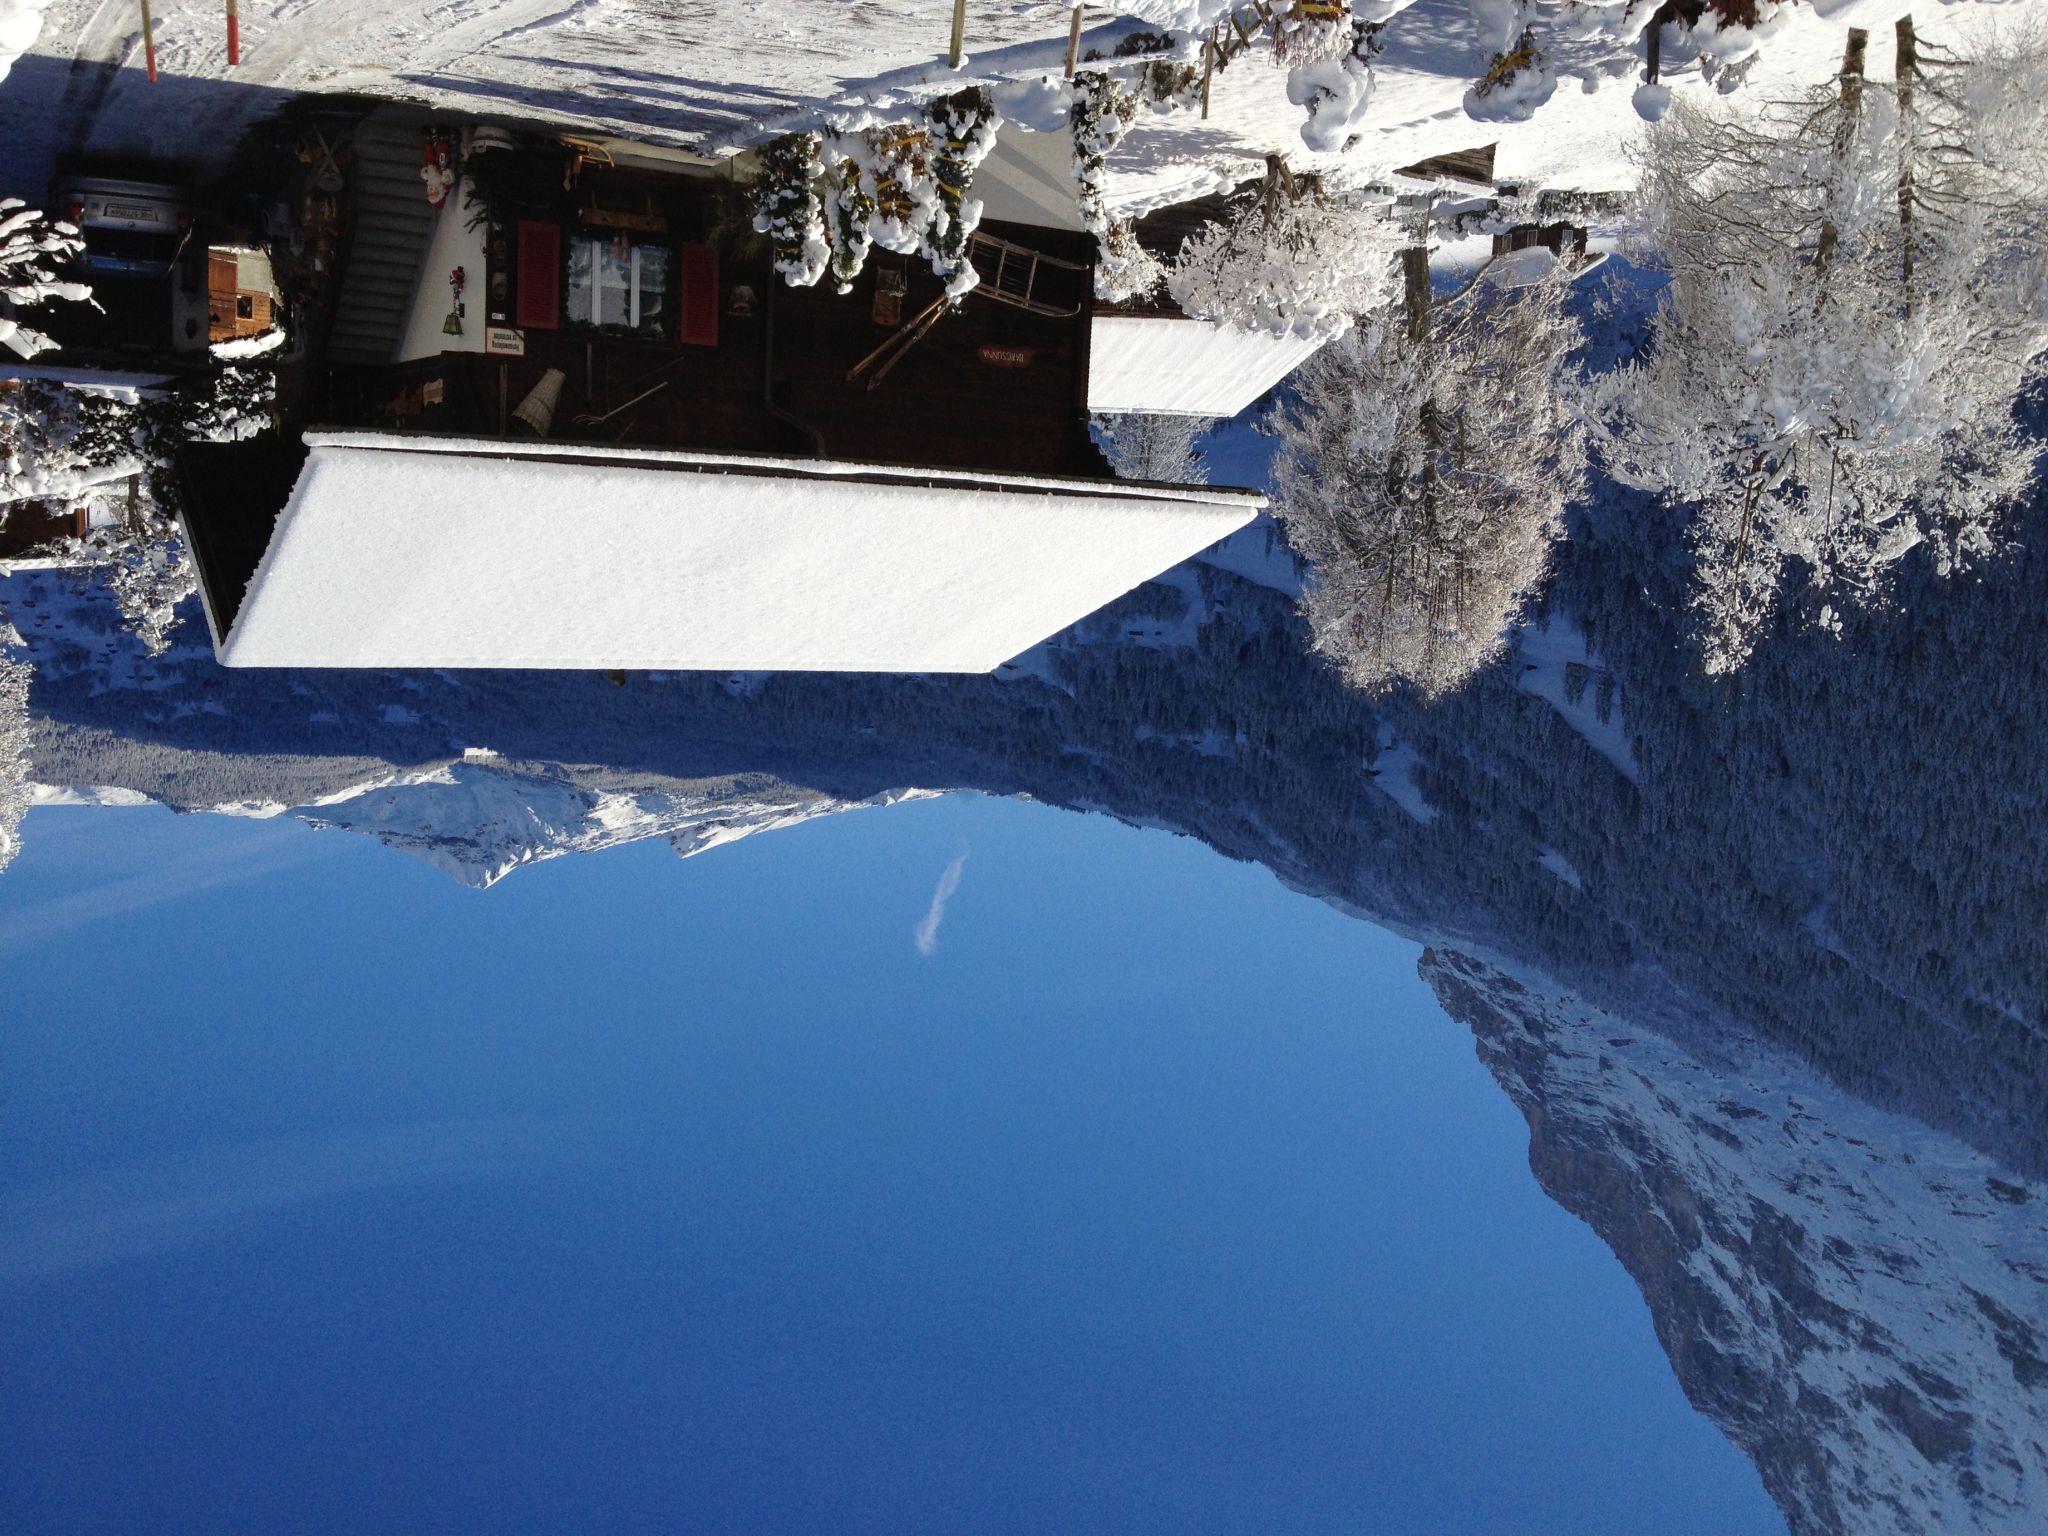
x=928, y=930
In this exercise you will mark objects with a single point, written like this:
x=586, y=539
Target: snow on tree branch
x=1291, y=259
x=1424, y=475
x=1859, y=295
x=1143, y=446
x=1102, y=114
x=33, y=250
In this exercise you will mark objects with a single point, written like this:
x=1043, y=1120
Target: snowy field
x=714, y=75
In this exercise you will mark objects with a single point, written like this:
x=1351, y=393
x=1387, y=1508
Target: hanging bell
x=452, y=326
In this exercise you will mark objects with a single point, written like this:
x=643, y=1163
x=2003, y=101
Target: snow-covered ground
x=713, y=75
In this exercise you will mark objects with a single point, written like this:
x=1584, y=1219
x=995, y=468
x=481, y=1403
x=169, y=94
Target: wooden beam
x=958, y=49
x=1074, y=42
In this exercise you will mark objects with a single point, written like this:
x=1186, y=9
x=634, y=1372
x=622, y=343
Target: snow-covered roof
x=440, y=552
x=1174, y=366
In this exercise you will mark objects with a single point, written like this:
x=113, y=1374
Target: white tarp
x=1173, y=366
x=397, y=552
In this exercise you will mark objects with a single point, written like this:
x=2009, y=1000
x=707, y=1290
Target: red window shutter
x=700, y=295
x=540, y=275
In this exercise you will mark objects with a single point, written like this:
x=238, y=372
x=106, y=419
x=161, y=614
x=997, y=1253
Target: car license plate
x=131, y=211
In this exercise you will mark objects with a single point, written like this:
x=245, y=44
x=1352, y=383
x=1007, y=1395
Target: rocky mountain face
x=1859, y=1303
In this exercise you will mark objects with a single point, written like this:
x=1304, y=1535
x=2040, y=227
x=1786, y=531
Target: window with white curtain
x=618, y=285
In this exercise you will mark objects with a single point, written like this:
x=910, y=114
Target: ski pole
x=149, y=41
x=234, y=33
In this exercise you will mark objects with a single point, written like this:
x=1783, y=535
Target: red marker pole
x=149, y=40
x=234, y=33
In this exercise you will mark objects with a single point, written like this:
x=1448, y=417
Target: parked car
x=131, y=228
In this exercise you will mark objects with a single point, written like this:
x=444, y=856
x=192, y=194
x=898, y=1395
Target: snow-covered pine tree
x=851, y=210
x=1291, y=258
x=788, y=211
x=1424, y=474
x=33, y=250
x=116, y=458
x=1102, y=114
x=1519, y=77
x=963, y=130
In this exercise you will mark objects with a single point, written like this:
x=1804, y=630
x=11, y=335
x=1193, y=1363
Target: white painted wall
x=453, y=245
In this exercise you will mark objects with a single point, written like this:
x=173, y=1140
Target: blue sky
x=641, y=1194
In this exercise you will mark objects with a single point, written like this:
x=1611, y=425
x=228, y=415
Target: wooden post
x=1852, y=70
x=1905, y=72
x=1074, y=41
x=1208, y=70
x=958, y=50
x=149, y=40
x=234, y=33
x=1415, y=286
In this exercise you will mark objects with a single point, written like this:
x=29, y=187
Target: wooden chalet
x=606, y=316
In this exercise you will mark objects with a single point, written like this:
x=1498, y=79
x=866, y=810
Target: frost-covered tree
x=1147, y=446
x=1859, y=294
x=963, y=130
x=1102, y=113
x=1290, y=258
x=14, y=761
x=33, y=250
x=788, y=211
x=1424, y=474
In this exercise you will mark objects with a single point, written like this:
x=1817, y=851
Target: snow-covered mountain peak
x=1860, y=1303
x=478, y=820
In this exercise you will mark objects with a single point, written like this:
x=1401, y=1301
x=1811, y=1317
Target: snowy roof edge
x=802, y=469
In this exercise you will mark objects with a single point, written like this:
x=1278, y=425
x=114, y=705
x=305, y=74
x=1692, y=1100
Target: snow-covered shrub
x=1290, y=259
x=32, y=251
x=238, y=406
x=963, y=131
x=1167, y=85
x=788, y=211
x=59, y=444
x=1336, y=91
x=1125, y=271
x=1424, y=474
x=1517, y=81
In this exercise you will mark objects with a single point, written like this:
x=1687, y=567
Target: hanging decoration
x=788, y=211
x=963, y=131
